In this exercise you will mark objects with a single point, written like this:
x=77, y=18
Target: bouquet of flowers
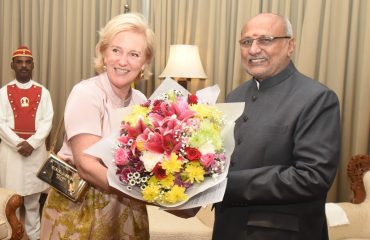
x=168, y=144
x=172, y=150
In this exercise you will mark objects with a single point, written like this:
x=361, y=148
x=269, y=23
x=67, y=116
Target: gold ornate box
x=62, y=177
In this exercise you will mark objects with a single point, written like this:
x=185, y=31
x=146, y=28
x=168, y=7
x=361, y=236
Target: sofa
x=356, y=212
x=10, y=225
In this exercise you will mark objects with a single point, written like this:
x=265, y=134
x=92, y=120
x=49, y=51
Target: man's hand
x=25, y=149
x=184, y=213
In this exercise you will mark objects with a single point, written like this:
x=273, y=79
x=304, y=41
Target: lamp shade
x=183, y=62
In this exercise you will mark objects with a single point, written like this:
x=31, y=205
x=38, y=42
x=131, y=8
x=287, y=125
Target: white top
x=90, y=109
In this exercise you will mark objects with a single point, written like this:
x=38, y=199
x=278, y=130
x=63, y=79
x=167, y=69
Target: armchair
x=358, y=210
x=10, y=226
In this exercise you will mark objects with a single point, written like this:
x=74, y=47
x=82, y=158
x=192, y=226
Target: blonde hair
x=121, y=23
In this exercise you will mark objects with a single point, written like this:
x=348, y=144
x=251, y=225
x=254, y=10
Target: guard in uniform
x=26, y=114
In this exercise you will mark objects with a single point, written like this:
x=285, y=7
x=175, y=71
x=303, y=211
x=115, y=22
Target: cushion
x=3, y=229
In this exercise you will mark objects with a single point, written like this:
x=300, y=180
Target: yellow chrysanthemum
x=206, y=111
x=175, y=195
x=194, y=172
x=153, y=180
x=172, y=165
x=167, y=182
x=151, y=192
x=136, y=113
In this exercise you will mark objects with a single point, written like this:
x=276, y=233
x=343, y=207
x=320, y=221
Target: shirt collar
x=24, y=85
x=280, y=77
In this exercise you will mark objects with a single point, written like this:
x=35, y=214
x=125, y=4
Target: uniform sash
x=24, y=103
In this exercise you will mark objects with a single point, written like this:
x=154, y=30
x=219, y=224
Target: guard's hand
x=25, y=149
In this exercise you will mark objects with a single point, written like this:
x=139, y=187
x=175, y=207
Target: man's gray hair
x=288, y=27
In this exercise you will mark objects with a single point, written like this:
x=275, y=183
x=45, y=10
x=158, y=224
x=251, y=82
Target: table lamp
x=183, y=64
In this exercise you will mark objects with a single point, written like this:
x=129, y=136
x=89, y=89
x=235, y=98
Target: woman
x=124, y=53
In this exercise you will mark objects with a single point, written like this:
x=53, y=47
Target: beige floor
x=165, y=226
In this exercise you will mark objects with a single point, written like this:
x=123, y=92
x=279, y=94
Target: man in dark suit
x=287, y=143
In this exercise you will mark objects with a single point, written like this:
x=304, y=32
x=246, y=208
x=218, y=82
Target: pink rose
x=207, y=160
x=121, y=157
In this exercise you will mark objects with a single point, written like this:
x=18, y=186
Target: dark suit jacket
x=286, y=154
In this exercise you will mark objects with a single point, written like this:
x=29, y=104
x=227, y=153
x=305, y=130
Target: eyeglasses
x=131, y=55
x=261, y=41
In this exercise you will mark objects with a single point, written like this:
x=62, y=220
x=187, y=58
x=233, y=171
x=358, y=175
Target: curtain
x=62, y=35
x=332, y=47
